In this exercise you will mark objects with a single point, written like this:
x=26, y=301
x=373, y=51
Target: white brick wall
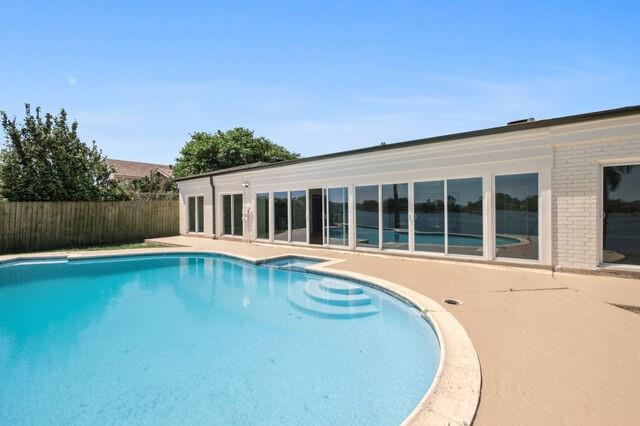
x=576, y=197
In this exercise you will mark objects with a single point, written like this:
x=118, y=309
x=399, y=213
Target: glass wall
x=337, y=216
x=280, y=216
x=428, y=209
x=226, y=214
x=367, y=216
x=395, y=216
x=299, y=216
x=191, y=207
x=621, y=218
x=237, y=214
x=464, y=216
x=262, y=215
x=517, y=216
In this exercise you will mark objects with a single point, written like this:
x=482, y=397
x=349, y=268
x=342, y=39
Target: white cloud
x=72, y=81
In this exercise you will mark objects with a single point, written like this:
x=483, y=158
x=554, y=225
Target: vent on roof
x=522, y=121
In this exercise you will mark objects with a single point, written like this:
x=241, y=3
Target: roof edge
x=569, y=119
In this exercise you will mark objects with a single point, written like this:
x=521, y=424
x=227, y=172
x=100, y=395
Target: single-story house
x=561, y=192
x=128, y=171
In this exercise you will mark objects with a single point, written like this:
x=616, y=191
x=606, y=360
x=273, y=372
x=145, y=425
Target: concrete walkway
x=553, y=350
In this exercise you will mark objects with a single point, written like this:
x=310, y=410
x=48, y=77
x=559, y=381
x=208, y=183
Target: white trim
x=221, y=196
x=445, y=232
x=308, y=215
x=411, y=218
x=197, y=219
x=541, y=225
x=380, y=223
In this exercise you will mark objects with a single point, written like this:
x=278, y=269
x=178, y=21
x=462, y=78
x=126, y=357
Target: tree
x=44, y=160
x=153, y=183
x=236, y=147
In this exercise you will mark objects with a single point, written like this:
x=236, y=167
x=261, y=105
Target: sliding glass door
x=336, y=216
x=262, y=215
x=195, y=206
x=227, y=218
x=299, y=216
x=464, y=216
x=429, y=211
x=367, y=216
x=621, y=215
x=395, y=216
x=453, y=227
x=517, y=216
x=281, y=216
x=232, y=215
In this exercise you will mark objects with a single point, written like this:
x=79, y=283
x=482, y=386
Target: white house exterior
x=538, y=192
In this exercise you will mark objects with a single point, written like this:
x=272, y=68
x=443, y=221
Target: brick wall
x=576, y=198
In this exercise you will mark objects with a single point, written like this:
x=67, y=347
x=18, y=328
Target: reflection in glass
x=464, y=216
x=226, y=214
x=280, y=216
x=395, y=216
x=299, y=216
x=517, y=216
x=262, y=215
x=367, y=216
x=337, y=220
x=428, y=207
x=191, y=206
x=621, y=222
x=200, y=220
x=237, y=214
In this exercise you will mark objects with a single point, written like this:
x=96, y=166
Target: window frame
x=633, y=161
x=197, y=223
x=494, y=232
x=221, y=212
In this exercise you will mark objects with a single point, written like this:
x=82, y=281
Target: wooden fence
x=33, y=226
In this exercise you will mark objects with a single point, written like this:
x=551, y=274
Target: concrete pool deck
x=552, y=348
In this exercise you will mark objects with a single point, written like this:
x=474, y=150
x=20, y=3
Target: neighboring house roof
x=515, y=126
x=134, y=170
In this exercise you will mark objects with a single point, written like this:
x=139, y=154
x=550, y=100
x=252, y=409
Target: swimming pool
x=195, y=338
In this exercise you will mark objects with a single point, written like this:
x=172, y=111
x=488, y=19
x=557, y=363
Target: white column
x=545, y=218
x=488, y=223
x=411, y=217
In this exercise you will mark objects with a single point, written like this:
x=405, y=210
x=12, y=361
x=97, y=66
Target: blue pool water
x=202, y=339
x=292, y=262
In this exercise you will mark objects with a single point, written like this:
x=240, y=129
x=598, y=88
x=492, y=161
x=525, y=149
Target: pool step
x=318, y=292
x=334, y=286
x=311, y=297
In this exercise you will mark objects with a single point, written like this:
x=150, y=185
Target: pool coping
x=454, y=394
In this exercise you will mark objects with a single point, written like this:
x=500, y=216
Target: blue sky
x=141, y=76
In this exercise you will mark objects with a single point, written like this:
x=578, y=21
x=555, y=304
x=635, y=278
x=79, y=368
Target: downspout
x=213, y=207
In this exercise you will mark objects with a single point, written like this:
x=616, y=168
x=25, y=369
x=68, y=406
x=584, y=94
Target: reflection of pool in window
x=337, y=220
x=621, y=208
x=395, y=216
x=280, y=216
x=517, y=215
x=464, y=213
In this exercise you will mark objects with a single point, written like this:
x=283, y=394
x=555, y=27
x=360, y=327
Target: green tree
x=236, y=147
x=153, y=183
x=44, y=160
